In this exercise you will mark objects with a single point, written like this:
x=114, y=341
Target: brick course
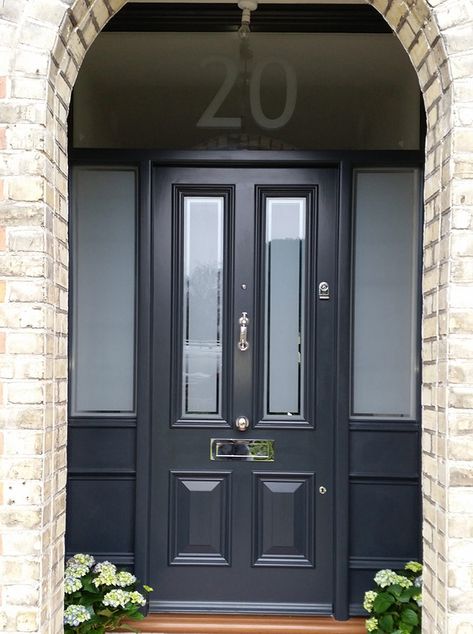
x=42, y=45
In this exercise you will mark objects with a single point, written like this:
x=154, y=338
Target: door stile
x=323, y=328
x=244, y=302
x=342, y=373
x=143, y=372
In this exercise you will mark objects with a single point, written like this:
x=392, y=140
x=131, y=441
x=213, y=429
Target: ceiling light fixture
x=246, y=6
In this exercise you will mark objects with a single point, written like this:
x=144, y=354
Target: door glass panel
x=285, y=220
x=203, y=228
x=288, y=91
x=103, y=331
x=385, y=293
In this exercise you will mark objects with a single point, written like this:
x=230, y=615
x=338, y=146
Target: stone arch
x=48, y=40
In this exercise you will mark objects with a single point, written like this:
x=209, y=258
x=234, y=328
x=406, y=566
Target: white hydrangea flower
x=404, y=582
x=107, y=574
x=74, y=615
x=76, y=569
x=370, y=596
x=386, y=578
x=137, y=598
x=72, y=584
x=80, y=558
x=124, y=579
x=371, y=624
x=105, y=578
x=105, y=565
x=413, y=566
x=117, y=598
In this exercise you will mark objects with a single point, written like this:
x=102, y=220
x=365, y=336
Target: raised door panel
x=283, y=519
x=199, y=519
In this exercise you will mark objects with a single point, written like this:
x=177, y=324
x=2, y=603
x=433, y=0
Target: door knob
x=242, y=423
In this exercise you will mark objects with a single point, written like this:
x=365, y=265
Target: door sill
x=246, y=624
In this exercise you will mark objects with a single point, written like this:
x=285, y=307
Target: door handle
x=243, y=342
x=242, y=423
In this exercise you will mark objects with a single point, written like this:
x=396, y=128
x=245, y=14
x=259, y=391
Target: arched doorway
x=37, y=201
x=310, y=254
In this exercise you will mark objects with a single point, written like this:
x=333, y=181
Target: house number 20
x=209, y=118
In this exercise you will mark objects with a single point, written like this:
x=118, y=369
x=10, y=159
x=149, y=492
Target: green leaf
x=406, y=596
x=395, y=590
x=105, y=612
x=409, y=617
x=87, y=585
x=382, y=602
x=386, y=623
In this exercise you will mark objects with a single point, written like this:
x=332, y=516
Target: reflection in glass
x=202, y=305
x=284, y=305
x=237, y=449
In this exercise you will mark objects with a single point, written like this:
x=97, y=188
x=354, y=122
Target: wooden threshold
x=246, y=624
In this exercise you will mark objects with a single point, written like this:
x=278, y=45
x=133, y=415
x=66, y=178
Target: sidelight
x=384, y=329
x=103, y=284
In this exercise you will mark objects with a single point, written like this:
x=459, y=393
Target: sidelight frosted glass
x=104, y=291
x=284, y=305
x=385, y=293
x=203, y=306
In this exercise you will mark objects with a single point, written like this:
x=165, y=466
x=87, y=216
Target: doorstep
x=246, y=624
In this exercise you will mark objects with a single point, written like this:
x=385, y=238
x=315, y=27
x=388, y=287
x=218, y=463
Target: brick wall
x=42, y=44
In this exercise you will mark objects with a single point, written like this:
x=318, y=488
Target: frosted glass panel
x=303, y=91
x=284, y=305
x=385, y=293
x=104, y=291
x=203, y=306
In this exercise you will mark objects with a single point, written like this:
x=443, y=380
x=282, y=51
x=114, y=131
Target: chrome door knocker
x=243, y=342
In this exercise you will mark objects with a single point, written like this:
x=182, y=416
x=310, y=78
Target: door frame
x=345, y=162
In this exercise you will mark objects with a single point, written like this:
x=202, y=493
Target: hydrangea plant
x=98, y=597
x=395, y=603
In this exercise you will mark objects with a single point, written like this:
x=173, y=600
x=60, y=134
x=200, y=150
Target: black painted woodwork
x=111, y=457
x=200, y=510
x=280, y=533
x=282, y=18
x=290, y=499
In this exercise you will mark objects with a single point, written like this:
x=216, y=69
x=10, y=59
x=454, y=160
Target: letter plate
x=236, y=449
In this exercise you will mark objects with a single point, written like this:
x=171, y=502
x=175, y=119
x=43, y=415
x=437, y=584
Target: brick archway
x=44, y=44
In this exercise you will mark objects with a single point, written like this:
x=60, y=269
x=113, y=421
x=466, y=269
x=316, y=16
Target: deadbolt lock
x=322, y=490
x=324, y=290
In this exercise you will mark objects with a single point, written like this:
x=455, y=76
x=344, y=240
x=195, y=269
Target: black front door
x=243, y=389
